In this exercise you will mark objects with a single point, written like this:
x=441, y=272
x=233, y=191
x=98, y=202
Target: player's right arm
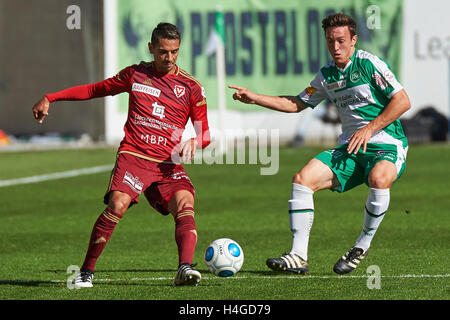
x=279, y=103
x=308, y=98
x=111, y=86
x=40, y=109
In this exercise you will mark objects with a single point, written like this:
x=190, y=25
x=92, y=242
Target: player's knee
x=298, y=178
x=119, y=203
x=180, y=201
x=184, y=203
x=380, y=180
x=383, y=175
x=118, y=207
x=302, y=178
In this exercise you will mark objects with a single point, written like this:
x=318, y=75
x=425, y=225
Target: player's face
x=340, y=44
x=165, y=54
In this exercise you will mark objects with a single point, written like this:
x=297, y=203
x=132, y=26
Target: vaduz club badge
x=179, y=91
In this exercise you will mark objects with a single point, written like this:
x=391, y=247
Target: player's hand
x=243, y=95
x=359, y=138
x=40, y=109
x=187, y=150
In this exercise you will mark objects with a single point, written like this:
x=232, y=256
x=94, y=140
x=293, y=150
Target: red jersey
x=159, y=108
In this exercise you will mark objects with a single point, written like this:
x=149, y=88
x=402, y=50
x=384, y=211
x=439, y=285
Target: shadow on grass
x=120, y=270
x=30, y=283
x=129, y=282
x=206, y=271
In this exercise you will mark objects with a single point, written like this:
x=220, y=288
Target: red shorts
x=158, y=181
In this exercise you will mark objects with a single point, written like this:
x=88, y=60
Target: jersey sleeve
x=199, y=116
x=109, y=87
x=383, y=79
x=314, y=93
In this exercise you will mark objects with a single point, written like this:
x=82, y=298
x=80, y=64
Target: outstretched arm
x=278, y=103
x=83, y=92
x=110, y=86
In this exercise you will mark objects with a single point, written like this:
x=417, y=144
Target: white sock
x=301, y=216
x=376, y=206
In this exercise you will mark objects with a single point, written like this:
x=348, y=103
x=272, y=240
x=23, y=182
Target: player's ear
x=354, y=39
x=150, y=47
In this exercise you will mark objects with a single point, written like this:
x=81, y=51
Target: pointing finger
x=235, y=87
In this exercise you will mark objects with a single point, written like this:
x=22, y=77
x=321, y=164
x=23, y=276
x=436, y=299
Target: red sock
x=185, y=235
x=102, y=231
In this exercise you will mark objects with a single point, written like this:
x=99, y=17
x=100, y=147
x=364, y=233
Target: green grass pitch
x=45, y=228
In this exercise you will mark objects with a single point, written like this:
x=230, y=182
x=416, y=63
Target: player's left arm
x=398, y=105
x=199, y=119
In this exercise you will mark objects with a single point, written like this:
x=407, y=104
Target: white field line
x=401, y=276
x=56, y=175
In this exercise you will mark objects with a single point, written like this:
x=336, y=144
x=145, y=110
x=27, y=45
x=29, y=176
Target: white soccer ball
x=224, y=257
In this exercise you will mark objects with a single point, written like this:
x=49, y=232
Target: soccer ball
x=224, y=257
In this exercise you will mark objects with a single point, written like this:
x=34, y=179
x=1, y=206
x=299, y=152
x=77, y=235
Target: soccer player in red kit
x=162, y=98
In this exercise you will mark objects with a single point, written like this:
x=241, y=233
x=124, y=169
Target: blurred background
x=271, y=47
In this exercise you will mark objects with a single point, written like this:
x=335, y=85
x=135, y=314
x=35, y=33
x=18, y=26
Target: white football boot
x=84, y=280
x=186, y=276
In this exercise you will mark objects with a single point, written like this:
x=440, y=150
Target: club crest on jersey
x=179, y=91
x=355, y=76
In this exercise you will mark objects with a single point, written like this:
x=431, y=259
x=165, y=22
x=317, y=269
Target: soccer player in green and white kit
x=372, y=147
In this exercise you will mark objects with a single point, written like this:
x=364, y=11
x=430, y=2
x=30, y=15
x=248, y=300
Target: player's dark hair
x=165, y=30
x=339, y=20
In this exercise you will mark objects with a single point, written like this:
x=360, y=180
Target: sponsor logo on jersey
x=153, y=123
x=310, y=91
x=180, y=175
x=386, y=155
x=158, y=110
x=133, y=182
x=355, y=76
x=200, y=103
x=148, y=82
x=379, y=81
x=145, y=89
x=336, y=154
x=179, y=91
x=354, y=98
x=388, y=75
x=336, y=85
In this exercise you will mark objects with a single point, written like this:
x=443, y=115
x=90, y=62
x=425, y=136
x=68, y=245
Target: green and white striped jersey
x=361, y=91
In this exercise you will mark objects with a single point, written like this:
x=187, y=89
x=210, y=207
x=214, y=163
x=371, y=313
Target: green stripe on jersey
x=301, y=211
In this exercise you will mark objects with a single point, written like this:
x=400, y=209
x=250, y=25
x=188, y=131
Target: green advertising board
x=272, y=47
